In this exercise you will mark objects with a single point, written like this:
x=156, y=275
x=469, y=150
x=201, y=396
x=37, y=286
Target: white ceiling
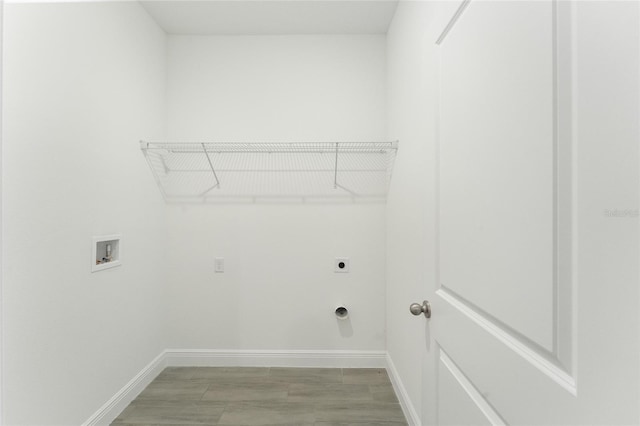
x=238, y=17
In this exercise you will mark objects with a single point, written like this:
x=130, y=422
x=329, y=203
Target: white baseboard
x=405, y=402
x=275, y=358
x=112, y=408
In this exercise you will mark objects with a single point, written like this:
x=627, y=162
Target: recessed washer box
x=106, y=252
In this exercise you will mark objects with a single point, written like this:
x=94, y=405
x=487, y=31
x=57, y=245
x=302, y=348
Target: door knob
x=417, y=309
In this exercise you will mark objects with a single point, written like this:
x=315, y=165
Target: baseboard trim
x=275, y=358
x=112, y=408
x=405, y=402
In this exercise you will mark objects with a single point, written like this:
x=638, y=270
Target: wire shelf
x=201, y=172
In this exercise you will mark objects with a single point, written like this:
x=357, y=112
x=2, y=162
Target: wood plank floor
x=267, y=397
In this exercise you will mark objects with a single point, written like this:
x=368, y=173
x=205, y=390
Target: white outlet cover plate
x=219, y=262
x=343, y=260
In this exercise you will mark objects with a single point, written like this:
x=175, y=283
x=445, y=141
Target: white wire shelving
x=210, y=172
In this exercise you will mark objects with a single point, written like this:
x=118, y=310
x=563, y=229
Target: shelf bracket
x=346, y=189
x=204, y=148
x=335, y=173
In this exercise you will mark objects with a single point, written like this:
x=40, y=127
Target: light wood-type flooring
x=266, y=396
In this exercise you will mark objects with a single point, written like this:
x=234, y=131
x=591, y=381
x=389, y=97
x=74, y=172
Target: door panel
x=497, y=159
x=460, y=403
x=517, y=382
x=524, y=209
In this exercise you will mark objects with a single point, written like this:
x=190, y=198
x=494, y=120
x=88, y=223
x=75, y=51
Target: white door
x=535, y=320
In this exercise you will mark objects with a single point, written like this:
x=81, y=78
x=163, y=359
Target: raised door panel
x=459, y=402
x=504, y=305
x=497, y=165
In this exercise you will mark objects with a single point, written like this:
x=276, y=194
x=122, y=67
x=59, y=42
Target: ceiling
x=267, y=17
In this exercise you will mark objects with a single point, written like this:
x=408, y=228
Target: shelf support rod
x=204, y=148
x=347, y=189
x=335, y=173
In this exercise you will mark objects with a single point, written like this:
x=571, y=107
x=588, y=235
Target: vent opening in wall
x=106, y=252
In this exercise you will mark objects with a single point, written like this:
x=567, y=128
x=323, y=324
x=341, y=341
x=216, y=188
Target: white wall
x=279, y=289
x=411, y=217
x=1, y=221
x=83, y=83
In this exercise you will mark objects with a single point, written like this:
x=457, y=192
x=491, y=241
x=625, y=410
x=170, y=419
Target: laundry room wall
x=279, y=289
x=83, y=82
x=411, y=214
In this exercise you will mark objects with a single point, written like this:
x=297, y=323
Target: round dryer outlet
x=341, y=264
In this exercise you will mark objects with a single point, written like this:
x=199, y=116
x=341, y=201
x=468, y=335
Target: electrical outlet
x=341, y=264
x=219, y=264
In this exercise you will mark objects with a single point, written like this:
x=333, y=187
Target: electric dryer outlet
x=341, y=265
